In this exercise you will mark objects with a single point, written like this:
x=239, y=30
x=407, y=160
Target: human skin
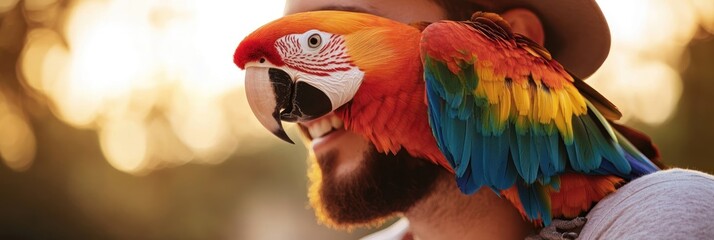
x=440, y=211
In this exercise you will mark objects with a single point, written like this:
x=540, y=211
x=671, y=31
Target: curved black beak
x=274, y=96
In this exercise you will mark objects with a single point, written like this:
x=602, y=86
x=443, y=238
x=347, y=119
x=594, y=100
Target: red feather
x=255, y=48
x=577, y=193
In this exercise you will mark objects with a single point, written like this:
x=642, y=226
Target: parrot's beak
x=274, y=96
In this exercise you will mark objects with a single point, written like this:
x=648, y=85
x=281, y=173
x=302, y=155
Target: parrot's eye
x=314, y=40
x=311, y=41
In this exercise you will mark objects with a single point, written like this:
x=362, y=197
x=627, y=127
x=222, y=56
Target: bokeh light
x=649, y=38
x=101, y=101
x=126, y=67
x=7, y=5
x=17, y=141
x=158, y=73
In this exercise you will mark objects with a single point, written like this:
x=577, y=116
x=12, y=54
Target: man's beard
x=382, y=186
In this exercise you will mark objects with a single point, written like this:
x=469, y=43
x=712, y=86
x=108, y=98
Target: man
x=354, y=185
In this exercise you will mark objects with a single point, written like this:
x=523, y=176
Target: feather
x=599, y=102
x=642, y=142
x=523, y=152
x=478, y=162
x=607, y=148
x=467, y=184
x=502, y=111
x=527, y=120
x=536, y=202
x=500, y=166
x=584, y=159
x=640, y=163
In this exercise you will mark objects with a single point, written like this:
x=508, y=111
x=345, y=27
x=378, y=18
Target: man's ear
x=525, y=22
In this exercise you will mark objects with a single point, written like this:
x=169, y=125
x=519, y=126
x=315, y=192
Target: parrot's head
x=307, y=65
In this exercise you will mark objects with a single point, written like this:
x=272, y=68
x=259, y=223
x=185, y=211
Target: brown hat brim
x=576, y=32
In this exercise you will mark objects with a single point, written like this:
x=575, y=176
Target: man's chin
x=382, y=186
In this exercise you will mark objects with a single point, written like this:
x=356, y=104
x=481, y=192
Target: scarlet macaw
x=487, y=104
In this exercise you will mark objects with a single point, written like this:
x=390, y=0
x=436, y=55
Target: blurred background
x=127, y=119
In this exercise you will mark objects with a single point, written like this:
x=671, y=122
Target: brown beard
x=384, y=185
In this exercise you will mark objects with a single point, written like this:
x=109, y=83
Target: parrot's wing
x=504, y=112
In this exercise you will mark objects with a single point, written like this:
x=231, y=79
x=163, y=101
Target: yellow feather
x=576, y=100
x=566, y=108
x=553, y=102
x=489, y=91
x=521, y=95
x=542, y=114
x=548, y=105
x=505, y=103
x=494, y=91
x=560, y=124
x=480, y=91
x=486, y=70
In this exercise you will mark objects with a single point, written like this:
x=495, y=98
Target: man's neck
x=449, y=214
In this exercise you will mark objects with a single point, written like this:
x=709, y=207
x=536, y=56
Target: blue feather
x=477, y=161
x=536, y=202
x=584, y=154
x=500, y=168
x=556, y=152
x=466, y=183
x=592, y=133
x=467, y=142
x=545, y=160
x=638, y=167
x=635, y=157
x=466, y=109
x=483, y=150
x=455, y=143
x=555, y=183
x=523, y=153
x=435, y=113
x=605, y=148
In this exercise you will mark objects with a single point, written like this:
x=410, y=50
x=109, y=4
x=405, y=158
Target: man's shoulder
x=669, y=204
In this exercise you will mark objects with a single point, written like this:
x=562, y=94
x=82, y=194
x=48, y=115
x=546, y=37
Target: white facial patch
x=340, y=87
x=320, y=59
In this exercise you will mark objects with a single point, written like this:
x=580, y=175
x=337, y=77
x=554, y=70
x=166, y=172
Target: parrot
x=487, y=104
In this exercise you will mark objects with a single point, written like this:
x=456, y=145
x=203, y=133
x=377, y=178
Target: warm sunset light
x=17, y=142
x=157, y=82
x=152, y=78
x=127, y=119
x=648, y=42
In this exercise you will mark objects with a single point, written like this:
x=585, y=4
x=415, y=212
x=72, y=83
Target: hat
x=576, y=32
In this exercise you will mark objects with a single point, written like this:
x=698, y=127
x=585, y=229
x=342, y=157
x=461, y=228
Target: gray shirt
x=670, y=204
